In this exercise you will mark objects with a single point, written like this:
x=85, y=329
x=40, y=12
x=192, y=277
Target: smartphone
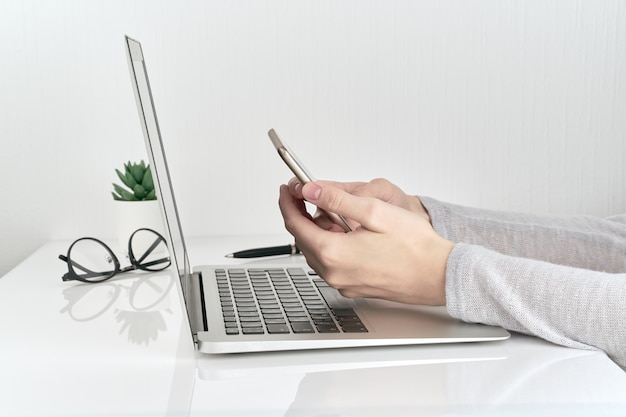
x=301, y=173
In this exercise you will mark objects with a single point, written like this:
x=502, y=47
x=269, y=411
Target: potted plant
x=135, y=202
x=137, y=177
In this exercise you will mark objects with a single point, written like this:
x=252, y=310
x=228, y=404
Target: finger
x=349, y=187
x=371, y=213
x=379, y=188
x=384, y=190
x=322, y=219
x=293, y=204
x=298, y=221
x=295, y=187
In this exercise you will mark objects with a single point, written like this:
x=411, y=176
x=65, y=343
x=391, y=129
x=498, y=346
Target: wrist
x=416, y=206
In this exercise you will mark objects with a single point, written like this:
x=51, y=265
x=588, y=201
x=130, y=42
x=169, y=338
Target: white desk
x=122, y=348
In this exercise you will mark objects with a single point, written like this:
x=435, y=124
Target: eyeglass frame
x=71, y=275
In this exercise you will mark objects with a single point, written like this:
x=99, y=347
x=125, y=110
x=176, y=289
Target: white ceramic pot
x=133, y=215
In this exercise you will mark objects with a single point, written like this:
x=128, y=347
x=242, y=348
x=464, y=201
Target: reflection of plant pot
x=133, y=215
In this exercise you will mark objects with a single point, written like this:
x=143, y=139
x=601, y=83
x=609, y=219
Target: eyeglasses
x=91, y=260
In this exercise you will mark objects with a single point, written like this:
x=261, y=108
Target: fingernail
x=311, y=191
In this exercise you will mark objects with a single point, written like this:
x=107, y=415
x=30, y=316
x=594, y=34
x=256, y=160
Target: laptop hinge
x=194, y=298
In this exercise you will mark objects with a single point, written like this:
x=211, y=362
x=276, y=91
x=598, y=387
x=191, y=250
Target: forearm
x=579, y=241
x=569, y=306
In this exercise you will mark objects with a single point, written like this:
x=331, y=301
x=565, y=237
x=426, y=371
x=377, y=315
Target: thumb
x=369, y=212
x=311, y=191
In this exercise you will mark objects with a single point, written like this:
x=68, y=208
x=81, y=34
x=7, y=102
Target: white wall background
x=517, y=104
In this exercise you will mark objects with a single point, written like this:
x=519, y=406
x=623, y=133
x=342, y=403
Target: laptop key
x=302, y=327
x=344, y=312
x=248, y=308
x=327, y=328
x=268, y=316
x=248, y=314
x=298, y=317
x=277, y=328
x=354, y=329
x=252, y=330
x=274, y=321
x=250, y=324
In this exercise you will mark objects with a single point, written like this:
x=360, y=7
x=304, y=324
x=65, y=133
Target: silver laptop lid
x=161, y=175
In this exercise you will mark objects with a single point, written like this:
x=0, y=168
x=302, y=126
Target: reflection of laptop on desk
x=259, y=307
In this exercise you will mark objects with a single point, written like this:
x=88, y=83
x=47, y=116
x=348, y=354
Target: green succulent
x=138, y=178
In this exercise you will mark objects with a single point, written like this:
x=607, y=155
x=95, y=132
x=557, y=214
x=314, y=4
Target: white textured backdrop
x=517, y=105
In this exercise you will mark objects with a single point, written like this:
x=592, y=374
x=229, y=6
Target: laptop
x=273, y=306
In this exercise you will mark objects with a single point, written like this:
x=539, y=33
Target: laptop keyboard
x=280, y=301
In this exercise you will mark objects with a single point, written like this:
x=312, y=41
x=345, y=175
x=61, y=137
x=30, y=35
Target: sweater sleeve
x=559, y=278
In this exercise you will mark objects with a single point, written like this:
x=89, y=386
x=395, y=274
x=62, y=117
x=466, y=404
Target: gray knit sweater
x=559, y=278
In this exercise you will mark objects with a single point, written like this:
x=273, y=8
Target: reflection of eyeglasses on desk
x=91, y=260
x=144, y=294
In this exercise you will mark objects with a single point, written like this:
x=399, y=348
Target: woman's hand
x=378, y=188
x=393, y=252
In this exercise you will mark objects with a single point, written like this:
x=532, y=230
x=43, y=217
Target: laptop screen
x=156, y=155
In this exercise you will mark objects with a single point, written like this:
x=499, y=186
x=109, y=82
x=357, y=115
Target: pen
x=269, y=251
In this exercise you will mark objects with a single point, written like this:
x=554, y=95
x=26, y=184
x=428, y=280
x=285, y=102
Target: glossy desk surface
x=122, y=348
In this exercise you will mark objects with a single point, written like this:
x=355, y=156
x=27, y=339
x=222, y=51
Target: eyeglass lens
x=147, y=250
x=91, y=260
